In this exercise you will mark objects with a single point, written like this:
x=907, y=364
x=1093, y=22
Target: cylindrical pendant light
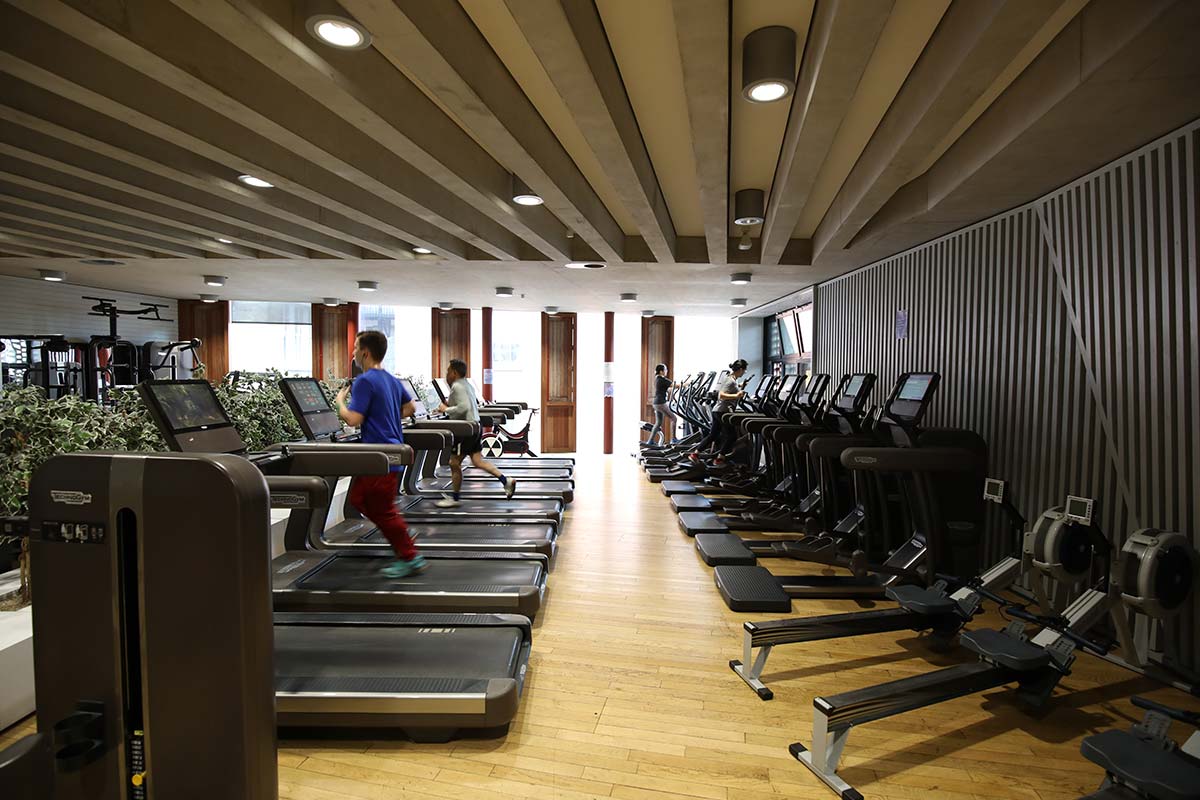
x=769, y=64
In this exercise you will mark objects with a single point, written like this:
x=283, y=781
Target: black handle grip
x=1190, y=717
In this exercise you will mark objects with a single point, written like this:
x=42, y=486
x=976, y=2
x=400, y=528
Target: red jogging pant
x=375, y=498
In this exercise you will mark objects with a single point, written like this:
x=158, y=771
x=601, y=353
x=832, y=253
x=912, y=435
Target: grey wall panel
x=29, y=306
x=1066, y=334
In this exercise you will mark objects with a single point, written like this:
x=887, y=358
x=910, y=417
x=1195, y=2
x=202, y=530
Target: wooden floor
x=629, y=696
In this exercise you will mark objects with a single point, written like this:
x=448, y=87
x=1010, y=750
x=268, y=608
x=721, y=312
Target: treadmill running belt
x=446, y=574
x=421, y=658
x=476, y=505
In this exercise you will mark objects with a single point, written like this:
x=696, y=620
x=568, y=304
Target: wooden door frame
x=574, y=378
x=649, y=364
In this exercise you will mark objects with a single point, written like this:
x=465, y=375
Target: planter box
x=16, y=665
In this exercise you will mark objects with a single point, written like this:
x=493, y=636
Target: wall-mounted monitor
x=804, y=325
x=787, y=334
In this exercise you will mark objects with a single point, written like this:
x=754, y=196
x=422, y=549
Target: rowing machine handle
x=1178, y=714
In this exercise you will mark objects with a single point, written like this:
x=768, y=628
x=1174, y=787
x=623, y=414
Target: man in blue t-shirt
x=377, y=408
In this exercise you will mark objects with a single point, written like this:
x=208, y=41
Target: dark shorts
x=469, y=446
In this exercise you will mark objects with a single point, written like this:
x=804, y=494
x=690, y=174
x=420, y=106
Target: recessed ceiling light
x=102, y=262
x=551, y=310
x=215, y=280
x=745, y=243
x=585, y=265
x=445, y=306
x=748, y=205
x=368, y=286
x=739, y=278
x=768, y=64
x=332, y=302
x=223, y=240
x=257, y=183
x=340, y=32
x=628, y=297
x=52, y=275
x=208, y=298
x=524, y=196
x=504, y=291
x=422, y=251
x=648, y=313
x=738, y=302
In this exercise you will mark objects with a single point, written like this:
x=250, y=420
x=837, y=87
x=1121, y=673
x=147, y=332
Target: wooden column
x=485, y=377
x=208, y=322
x=609, y=319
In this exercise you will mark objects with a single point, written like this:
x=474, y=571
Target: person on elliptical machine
x=378, y=406
x=727, y=397
x=462, y=404
x=664, y=420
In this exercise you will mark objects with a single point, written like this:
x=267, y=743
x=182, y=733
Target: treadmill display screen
x=416, y=398
x=189, y=406
x=309, y=396
x=915, y=387
x=854, y=386
x=442, y=388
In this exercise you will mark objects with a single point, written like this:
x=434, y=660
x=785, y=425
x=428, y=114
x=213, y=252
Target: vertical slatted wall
x=1066, y=332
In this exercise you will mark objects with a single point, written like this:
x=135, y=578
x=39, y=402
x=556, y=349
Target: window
x=265, y=335
x=409, y=337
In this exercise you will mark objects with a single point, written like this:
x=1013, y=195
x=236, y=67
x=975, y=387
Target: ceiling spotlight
x=524, y=196
x=745, y=243
x=552, y=310
x=257, y=183
x=648, y=313
x=368, y=286
x=628, y=297
x=739, y=278
x=209, y=298
x=504, y=291
x=738, y=302
x=223, y=240
x=52, y=275
x=102, y=262
x=748, y=207
x=445, y=306
x=585, y=265
x=215, y=280
x=769, y=64
x=345, y=34
x=421, y=251
x=332, y=302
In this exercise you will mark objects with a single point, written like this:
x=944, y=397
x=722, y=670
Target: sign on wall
x=902, y=323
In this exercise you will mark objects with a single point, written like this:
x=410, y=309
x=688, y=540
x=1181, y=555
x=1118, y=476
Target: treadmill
x=191, y=419
x=419, y=504
x=426, y=466
x=428, y=675
x=548, y=467
x=320, y=423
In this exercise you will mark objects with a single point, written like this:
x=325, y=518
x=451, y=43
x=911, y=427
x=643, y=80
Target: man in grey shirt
x=462, y=404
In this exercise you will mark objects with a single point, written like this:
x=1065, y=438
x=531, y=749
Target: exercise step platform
x=697, y=522
x=751, y=589
x=690, y=502
x=678, y=487
x=724, y=549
